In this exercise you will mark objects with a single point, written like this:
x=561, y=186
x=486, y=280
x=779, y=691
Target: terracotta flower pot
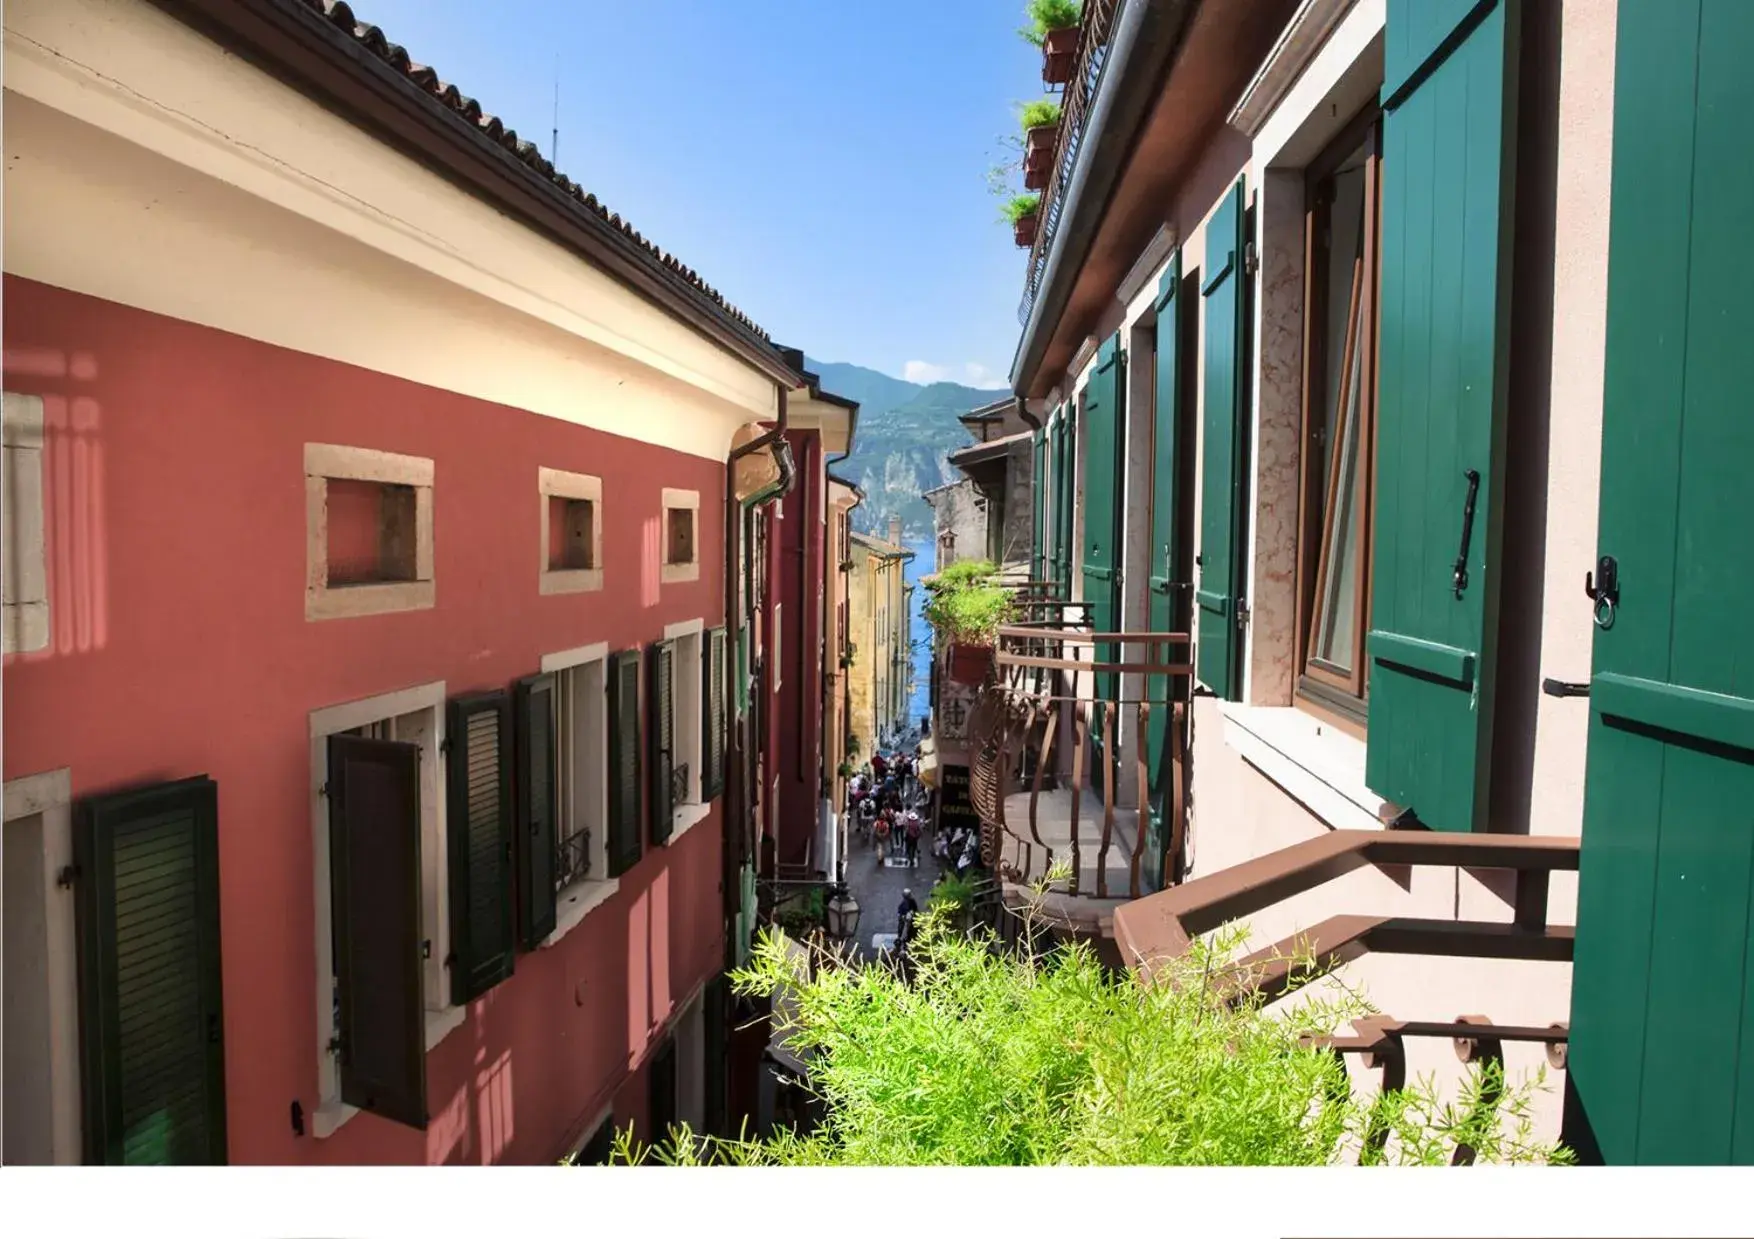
x=1024, y=230
x=969, y=664
x=1038, y=155
x=1057, y=51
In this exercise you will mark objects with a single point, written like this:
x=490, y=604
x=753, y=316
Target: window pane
x=1336, y=636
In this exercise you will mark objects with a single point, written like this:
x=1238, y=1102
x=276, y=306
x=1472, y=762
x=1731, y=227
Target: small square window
x=571, y=531
x=368, y=532
x=681, y=536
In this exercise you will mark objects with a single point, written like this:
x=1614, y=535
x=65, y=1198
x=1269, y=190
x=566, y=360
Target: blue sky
x=821, y=162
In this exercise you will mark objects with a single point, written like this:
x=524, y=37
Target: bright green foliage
x=1046, y=15
x=1039, y=112
x=1019, y=206
x=990, y=1058
x=967, y=604
x=951, y=892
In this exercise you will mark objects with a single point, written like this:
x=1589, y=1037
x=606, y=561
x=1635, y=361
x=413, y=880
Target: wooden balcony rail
x=1041, y=698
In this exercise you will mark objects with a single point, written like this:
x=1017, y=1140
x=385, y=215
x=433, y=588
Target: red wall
x=176, y=523
x=796, y=740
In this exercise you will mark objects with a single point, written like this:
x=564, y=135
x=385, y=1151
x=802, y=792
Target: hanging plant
x=965, y=607
x=1041, y=131
x=1053, y=27
x=1021, y=212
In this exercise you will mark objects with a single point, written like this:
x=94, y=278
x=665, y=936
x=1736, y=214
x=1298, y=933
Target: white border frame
x=441, y=1017
x=558, y=484
x=24, y=619
x=326, y=461
x=578, y=900
x=51, y=795
x=691, y=811
x=669, y=573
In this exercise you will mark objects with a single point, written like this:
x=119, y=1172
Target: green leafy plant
x=966, y=603
x=845, y=770
x=1048, y=15
x=1039, y=112
x=1026, y=1057
x=1020, y=205
x=951, y=892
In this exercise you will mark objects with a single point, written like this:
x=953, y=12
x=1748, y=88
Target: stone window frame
x=554, y=484
x=679, y=500
x=24, y=616
x=326, y=462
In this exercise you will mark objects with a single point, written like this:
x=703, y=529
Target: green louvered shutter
x=1448, y=161
x=1661, y=1066
x=1066, y=474
x=479, y=811
x=151, y=1010
x=1223, y=458
x=534, y=715
x=1038, y=499
x=1168, y=579
x=661, y=737
x=713, y=721
x=1102, y=509
x=373, y=790
x=625, y=766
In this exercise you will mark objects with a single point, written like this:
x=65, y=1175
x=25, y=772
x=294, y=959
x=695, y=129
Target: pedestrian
x=879, y=765
x=882, y=832
x=911, y=828
x=904, y=917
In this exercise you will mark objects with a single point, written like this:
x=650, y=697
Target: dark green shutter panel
x=374, y=884
x=1038, y=497
x=535, y=708
x=1102, y=508
x=718, y=1052
x=713, y=720
x=1224, y=428
x=624, y=763
x=1065, y=492
x=1662, y=1053
x=661, y=765
x=1168, y=579
x=151, y=1013
x=478, y=735
x=1448, y=151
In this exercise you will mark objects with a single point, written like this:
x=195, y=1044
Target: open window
x=368, y=532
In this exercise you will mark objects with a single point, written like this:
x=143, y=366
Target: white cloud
x=969, y=373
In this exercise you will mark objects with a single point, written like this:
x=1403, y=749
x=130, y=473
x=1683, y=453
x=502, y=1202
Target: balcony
x=1078, y=760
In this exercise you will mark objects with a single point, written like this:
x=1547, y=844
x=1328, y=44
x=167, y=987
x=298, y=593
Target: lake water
x=920, y=565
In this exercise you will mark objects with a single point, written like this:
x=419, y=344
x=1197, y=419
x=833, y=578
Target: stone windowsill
x=578, y=901
x=687, y=817
x=1318, y=764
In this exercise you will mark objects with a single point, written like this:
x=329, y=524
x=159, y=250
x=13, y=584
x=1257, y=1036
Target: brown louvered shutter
x=661, y=737
x=478, y=738
x=151, y=1008
x=374, y=882
x=536, y=823
x=714, y=722
x=624, y=763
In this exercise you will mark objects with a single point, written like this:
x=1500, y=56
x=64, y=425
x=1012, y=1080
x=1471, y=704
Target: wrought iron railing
x=572, y=859
x=1075, y=104
x=678, y=784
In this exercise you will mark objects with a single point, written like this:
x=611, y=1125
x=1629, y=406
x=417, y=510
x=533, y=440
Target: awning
x=928, y=771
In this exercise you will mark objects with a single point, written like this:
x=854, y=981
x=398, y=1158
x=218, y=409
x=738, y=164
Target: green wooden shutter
x=1102, y=509
x=1038, y=495
x=535, y=709
x=152, y=1013
x=1065, y=474
x=1223, y=456
x=713, y=720
x=1661, y=1062
x=625, y=842
x=661, y=737
x=375, y=901
x=1168, y=567
x=1448, y=155
x=479, y=809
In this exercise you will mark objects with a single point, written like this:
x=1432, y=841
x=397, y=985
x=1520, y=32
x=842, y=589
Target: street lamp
x=842, y=914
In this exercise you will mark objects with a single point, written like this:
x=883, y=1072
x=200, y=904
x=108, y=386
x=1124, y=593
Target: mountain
x=905, y=431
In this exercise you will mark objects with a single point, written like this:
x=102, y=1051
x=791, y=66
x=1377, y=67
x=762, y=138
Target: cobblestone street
x=878, y=884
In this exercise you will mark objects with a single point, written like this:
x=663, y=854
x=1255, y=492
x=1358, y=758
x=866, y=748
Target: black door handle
x=1565, y=688
x=1460, y=575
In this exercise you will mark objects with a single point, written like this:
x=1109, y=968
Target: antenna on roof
x=554, y=136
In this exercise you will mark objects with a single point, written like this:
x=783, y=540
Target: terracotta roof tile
x=341, y=14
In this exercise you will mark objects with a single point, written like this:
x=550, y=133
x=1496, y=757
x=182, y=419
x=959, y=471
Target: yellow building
x=877, y=680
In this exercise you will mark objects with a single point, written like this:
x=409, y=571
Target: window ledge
x=331, y=1115
x=577, y=902
x=687, y=816
x=571, y=580
x=1318, y=764
x=672, y=574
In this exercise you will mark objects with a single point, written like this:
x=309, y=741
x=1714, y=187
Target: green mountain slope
x=905, y=431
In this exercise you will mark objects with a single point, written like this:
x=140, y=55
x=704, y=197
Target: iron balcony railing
x=572, y=859
x=1075, y=104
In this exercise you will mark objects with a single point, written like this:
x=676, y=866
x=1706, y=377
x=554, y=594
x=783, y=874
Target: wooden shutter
x=151, y=1014
x=534, y=713
x=1038, y=494
x=1223, y=475
x=713, y=720
x=374, y=896
x=478, y=741
x=1662, y=1053
x=1065, y=474
x=1448, y=149
x=625, y=841
x=1102, y=508
x=661, y=736
x=1168, y=579
x=714, y=1000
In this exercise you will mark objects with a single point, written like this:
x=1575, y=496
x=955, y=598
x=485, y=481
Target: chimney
x=895, y=530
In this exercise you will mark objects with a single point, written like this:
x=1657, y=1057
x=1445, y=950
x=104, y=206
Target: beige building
x=877, y=680
x=1338, y=374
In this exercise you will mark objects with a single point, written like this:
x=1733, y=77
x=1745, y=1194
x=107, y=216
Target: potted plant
x=1022, y=212
x=1041, y=129
x=965, y=608
x=1053, y=27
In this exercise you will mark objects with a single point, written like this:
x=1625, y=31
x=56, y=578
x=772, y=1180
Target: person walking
x=904, y=917
x=911, y=829
x=881, y=833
